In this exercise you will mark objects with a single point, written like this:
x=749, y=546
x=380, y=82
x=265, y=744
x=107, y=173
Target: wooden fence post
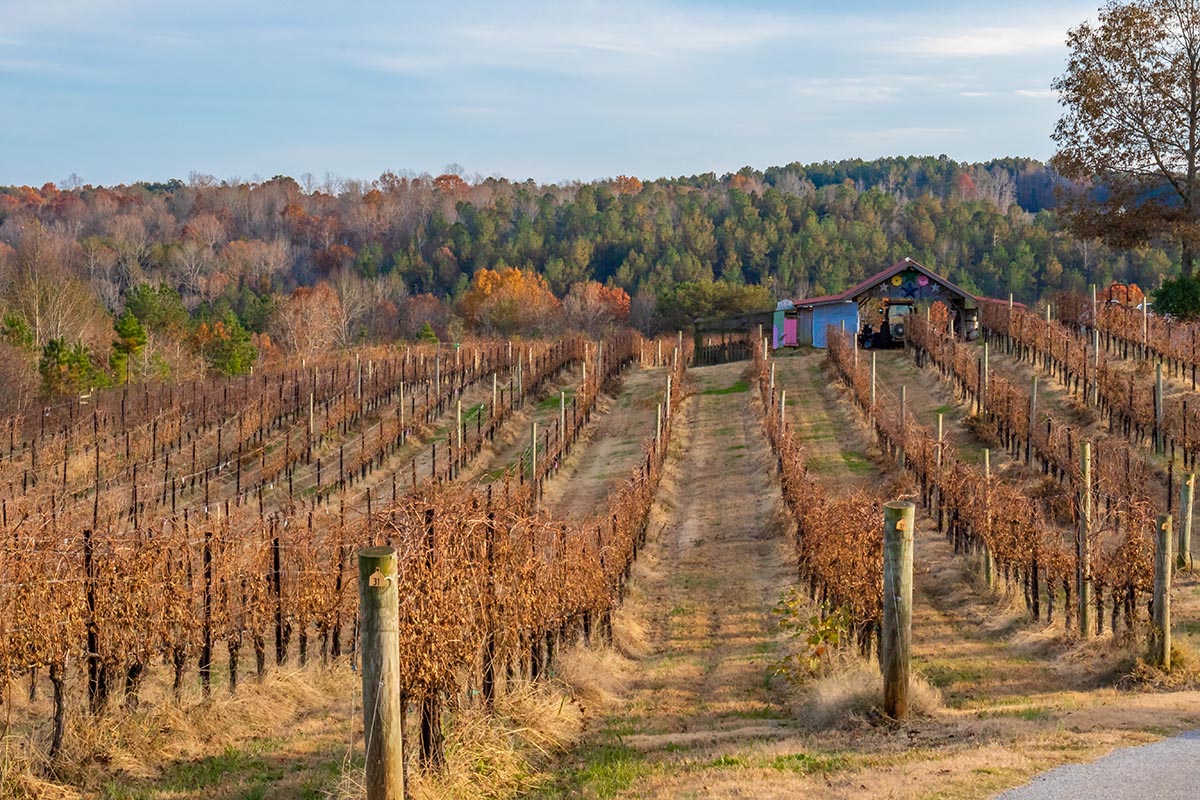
x=871, y=410
x=989, y=565
x=1083, y=560
x=903, y=413
x=533, y=459
x=1032, y=421
x=898, y=522
x=1158, y=409
x=1186, y=497
x=937, y=489
x=380, y=642
x=1160, y=649
x=983, y=380
x=782, y=412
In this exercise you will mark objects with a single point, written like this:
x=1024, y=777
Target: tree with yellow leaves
x=510, y=301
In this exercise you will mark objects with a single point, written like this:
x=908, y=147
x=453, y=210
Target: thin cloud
x=600, y=40
x=27, y=65
x=991, y=42
x=974, y=94
x=1041, y=94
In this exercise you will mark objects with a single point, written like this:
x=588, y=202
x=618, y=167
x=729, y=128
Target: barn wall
x=833, y=314
x=804, y=327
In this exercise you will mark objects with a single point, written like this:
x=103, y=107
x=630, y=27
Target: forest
x=173, y=280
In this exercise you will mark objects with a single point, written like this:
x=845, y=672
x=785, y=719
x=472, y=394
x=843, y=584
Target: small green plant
x=819, y=636
x=427, y=335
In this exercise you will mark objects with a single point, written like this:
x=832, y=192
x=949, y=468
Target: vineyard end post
x=895, y=644
x=1158, y=409
x=379, y=609
x=1083, y=566
x=782, y=412
x=1187, y=489
x=989, y=564
x=533, y=460
x=983, y=378
x=1161, y=647
x=1033, y=391
x=871, y=410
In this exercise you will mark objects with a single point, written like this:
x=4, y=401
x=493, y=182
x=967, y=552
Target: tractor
x=888, y=330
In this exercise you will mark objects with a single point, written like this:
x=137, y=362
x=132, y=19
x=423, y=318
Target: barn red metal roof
x=879, y=277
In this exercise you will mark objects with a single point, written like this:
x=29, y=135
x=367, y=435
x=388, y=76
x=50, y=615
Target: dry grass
x=137, y=747
x=495, y=755
x=501, y=754
x=855, y=693
x=596, y=678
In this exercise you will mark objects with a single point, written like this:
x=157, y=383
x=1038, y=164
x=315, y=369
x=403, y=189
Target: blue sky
x=123, y=90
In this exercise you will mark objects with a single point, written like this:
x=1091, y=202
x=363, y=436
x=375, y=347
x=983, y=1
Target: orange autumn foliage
x=592, y=307
x=509, y=301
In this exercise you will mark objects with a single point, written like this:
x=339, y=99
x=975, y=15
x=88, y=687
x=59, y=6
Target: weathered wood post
x=1083, y=550
x=562, y=420
x=494, y=395
x=771, y=382
x=1187, y=489
x=983, y=380
x=782, y=412
x=1158, y=408
x=989, y=566
x=903, y=413
x=533, y=459
x=667, y=400
x=379, y=636
x=896, y=638
x=871, y=410
x=658, y=418
x=937, y=489
x=1145, y=327
x=1033, y=389
x=1160, y=642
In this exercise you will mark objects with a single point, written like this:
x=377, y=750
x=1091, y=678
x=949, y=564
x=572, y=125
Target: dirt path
x=611, y=445
x=835, y=449
x=701, y=688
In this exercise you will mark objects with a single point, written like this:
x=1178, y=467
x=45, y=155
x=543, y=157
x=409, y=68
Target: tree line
x=170, y=279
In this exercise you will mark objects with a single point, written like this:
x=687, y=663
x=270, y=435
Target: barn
x=883, y=298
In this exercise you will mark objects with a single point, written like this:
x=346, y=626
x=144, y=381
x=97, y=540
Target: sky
x=116, y=91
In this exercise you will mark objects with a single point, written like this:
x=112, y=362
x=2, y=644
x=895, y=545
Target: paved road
x=1166, y=769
